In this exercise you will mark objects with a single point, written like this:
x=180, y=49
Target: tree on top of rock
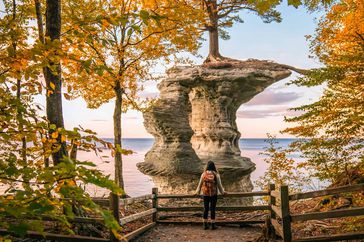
x=221, y=14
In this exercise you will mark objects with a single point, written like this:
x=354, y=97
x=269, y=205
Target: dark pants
x=209, y=203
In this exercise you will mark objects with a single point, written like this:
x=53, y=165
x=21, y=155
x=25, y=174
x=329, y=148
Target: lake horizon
x=136, y=183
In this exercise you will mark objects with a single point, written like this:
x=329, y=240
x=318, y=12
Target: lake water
x=136, y=183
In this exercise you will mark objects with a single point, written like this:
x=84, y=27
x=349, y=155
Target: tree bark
x=117, y=135
x=38, y=12
x=212, y=27
x=20, y=119
x=214, y=53
x=53, y=76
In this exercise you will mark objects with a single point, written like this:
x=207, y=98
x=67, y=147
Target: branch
x=133, y=103
x=299, y=71
x=4, y=72
x=100, y=57
x=130, y=63
x=360, y=36
x=148, y=36
x=231, y=8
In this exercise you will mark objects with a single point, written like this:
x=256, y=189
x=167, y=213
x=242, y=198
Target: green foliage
x=282, y=169
x=121, y=42
x=332, y=127
x=31, y=186
x=330, y=130
x=35, y=189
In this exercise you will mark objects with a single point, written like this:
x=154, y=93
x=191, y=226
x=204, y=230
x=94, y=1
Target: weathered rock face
x=195, y=121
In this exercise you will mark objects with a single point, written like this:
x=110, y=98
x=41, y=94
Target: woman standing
x=209, y=183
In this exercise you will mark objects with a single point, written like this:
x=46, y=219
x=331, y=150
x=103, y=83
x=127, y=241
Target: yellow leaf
x=55, y=135
x=63, y=138
x=105, y=24
x=71, y=183
x=51, y=84
x=67, y=96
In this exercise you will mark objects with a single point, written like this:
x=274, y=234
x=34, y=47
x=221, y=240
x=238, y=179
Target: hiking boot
x=213, y=226
x=205, y=225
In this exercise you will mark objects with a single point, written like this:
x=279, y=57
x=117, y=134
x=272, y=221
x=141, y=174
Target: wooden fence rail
x=114, y=202
x=280, y=217
x=232, y=194
x=224, y=208
x=281, y=212
x=329, y=191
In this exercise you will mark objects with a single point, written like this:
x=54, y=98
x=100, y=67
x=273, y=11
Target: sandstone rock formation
x=195, y=121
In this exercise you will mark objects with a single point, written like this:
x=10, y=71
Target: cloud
x=269, y=97
x=272, y=112
x=147, y=94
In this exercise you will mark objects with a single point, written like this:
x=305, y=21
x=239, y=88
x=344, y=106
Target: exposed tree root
x=217, y=58
x=221, y=62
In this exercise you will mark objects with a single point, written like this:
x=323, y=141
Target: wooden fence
x=115, y=203
x=222, y=208
x=280, y=218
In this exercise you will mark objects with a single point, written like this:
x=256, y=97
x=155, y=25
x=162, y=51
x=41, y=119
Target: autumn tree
x=222, y=14
x=14, y=58
x=114, y=44
x=282, y=168
x=332, y=129
x=30, y=187
x=33, y=190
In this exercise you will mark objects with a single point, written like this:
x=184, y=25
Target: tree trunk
x=117, y=135
x=53, y=76
x=214, y=54
x=38, y=12
x=20, y=120
x=212, y=27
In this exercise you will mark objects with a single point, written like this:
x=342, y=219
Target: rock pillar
x=194, y=121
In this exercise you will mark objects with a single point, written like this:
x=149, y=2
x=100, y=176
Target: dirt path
x=191, y=233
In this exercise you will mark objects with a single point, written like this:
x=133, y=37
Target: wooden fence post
x=272, y=201
x=155, y=203
x=286, y=218
x=114, y=206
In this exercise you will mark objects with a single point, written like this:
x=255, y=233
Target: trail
x=191, y=233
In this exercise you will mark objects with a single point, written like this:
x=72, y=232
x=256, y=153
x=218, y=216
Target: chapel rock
x=194, y=121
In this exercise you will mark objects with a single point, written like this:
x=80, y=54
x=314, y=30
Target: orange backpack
x=209, y=186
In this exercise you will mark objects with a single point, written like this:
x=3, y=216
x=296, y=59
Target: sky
x=283, y=42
